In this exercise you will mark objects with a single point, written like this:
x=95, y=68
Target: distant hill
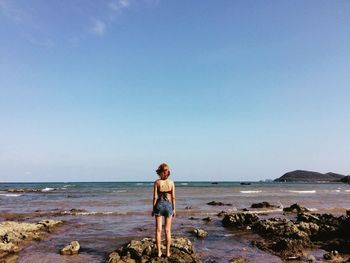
x=309, y=176
x=346, y=179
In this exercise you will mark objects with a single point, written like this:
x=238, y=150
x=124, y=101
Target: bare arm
x=173, y=198
x=155, y=194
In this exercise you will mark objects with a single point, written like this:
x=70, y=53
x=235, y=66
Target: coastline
x=102, y=219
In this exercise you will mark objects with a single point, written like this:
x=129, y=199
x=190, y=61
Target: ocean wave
x=48, y=189
x=139, y=183
x=347, y=190
x=10, y=195
x=303, y=191
x=92, y=213
x=251, y=191
x=184, y=183
x=120, y=191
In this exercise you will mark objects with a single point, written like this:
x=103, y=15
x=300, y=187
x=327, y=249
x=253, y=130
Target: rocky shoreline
x=291, y=238
x=290, y=234
x=15, y=235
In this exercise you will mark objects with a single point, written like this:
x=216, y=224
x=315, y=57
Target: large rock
x=215, y=203
x=239, y=220
x=200, y=233
x=71, y=249
x=12, y=234
x=262, y=205
x=145, y=251
x=295, y=208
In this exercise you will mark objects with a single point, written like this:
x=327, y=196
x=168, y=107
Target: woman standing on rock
x=163, y=206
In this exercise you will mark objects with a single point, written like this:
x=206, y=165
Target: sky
x=220, y=90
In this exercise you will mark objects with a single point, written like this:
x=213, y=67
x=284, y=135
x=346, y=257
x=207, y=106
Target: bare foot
x=168, y=254
x=159, y=254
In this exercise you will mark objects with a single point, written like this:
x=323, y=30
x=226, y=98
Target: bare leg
x=159, y=234
x=168, y=221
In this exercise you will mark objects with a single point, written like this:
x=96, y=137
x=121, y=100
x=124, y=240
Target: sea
x=102, y=216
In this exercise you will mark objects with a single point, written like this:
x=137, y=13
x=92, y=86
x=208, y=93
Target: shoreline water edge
x=216, y=222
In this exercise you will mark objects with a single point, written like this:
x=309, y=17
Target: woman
x=163, y=206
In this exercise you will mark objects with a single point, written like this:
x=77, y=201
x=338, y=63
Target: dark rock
x=200, y=233
x=145, y=251
x=239, y=220
x=208, y=219
x=218, y=203
x=222, y=213
x=295, y=208
x=262, y=205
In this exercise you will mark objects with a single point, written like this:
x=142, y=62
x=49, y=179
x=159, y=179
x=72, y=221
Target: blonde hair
x=161, y=169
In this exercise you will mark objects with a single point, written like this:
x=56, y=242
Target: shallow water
x=114, y=213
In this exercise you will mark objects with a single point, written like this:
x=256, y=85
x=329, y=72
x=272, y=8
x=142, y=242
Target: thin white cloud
x=8, y=9
x=117, y=5
x=98, y=27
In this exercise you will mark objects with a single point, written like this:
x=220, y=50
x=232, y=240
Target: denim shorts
x=163, y=208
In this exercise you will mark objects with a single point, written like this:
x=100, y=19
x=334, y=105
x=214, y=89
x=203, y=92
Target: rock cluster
x=13, y=234
x=145, y=251
x=239, y=220
x=289, y=238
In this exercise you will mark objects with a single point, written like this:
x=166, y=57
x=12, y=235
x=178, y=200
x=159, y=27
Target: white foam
x=184, y=183
x=347, y=190
x=139, y=184
x=47, y=189
x=120, y=191
x=11, y=195
x=251, y=192
x=92, y=213
x=312, y=209
x=69, y=185
x=303, y=192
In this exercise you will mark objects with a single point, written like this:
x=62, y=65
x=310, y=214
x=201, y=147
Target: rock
x=239, y=220
x=13, y=234
x=208, y=219
x=222, y=213
x=144, y=250
x=311, y=258
x=262, y=205
x=218, y=203
x=295, y=208
x=237, y=260
x=307, y=217
x=200, y=233
x=71, y=249
x=332, y=255
x=348, y=212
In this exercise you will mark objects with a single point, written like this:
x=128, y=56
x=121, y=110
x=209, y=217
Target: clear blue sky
x=220, y=90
